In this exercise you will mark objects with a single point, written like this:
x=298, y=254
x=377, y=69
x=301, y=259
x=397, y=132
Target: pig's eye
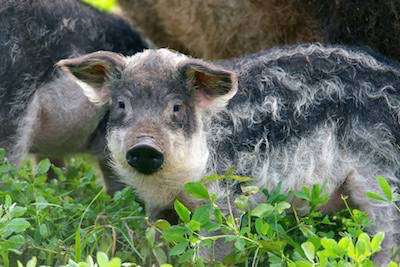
x=121, y=104
x=177, y=107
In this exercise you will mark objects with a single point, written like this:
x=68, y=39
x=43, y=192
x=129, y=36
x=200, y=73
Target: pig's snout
x=145, y=157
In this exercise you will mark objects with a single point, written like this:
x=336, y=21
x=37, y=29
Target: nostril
x=134, y=158
x=145, y=158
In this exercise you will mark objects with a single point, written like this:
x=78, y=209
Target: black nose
x=144, y=158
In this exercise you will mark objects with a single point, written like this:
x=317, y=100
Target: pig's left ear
x=94, y=70
x=212, y=86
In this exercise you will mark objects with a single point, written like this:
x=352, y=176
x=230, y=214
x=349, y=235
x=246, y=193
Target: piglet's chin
x=157, y=191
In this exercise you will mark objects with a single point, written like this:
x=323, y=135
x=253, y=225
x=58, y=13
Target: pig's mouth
x=145, y=156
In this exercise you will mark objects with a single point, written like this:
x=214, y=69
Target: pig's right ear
x=92, y=71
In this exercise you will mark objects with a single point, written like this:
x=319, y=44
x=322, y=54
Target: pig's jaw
x=158, y=190
x=187, y=163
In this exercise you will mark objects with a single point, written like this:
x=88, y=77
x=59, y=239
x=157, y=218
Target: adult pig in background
x=298, y=115
x=41, y=110
x=216, y=29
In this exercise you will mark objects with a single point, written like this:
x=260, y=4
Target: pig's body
x=299, y=115
x=299, y=111
x=41, y=110
x=308, y=115
x=216, y=29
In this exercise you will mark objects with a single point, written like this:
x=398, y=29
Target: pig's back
x=286, y=94
x=35, y=34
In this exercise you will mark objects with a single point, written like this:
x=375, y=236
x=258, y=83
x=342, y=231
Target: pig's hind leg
x=383, y=217
x=27, y=126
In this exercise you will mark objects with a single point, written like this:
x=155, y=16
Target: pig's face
x=156, y=103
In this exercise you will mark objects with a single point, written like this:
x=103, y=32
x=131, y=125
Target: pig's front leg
x=111, y=182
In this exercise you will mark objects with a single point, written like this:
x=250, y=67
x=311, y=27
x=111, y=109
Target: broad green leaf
x=282, y=206
x=160, y=255
x=43, y=167
x=309, y=250
x=375, y=196
x=274, y=260
x=262, y=227
x=351, y=251
x=16, y=225
x=72, y=263
x=275, y=246
x=114, y=262
x=179, y=248
x=13, y=243
x=202, y=214
x=303, y=263
x=385, y=187
x=162, y=224
x=242, y=203
x=230, y=221
x=262, y=209
x=105, y=5
x=59, y=173
x=175, y=233
x=218, y=215
x=197, y=190
x=331, y=249
x=17, y=211
x=377, y=241
x=249, y=190
x=329, y=244
x=41, y=203
x=240, y=244
x=89, y=261
x=151, y=236
x=32, y=262
x=212, y=227
x=182, y=211
x=8, y=201
x=304, y=194
x=193, y=225
x=43, y=230
x=102, y=259
x=186, y=257
x=362, y=246
x=323, y=257
x=344, y=243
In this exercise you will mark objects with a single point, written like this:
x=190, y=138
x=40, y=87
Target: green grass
x=105, y=5
x=70, y=221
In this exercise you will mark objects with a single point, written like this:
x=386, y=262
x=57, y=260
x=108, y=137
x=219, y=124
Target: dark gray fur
x=34, y=35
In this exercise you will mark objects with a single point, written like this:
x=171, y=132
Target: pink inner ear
x=203, y=96
x=201, y=78
x=203, y=100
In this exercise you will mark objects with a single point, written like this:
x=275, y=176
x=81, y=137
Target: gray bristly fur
x=312, y=114
x=42, y=111
x=298, y=115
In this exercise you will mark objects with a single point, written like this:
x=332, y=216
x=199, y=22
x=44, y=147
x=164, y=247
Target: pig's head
x=157, y=100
